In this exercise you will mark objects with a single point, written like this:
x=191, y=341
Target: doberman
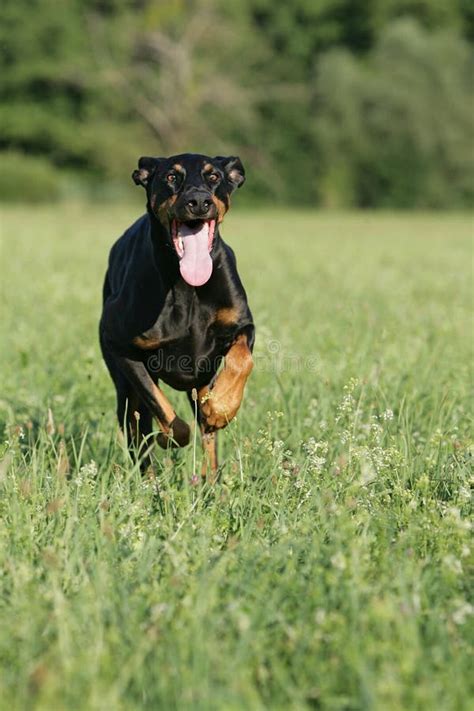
x=174, y=308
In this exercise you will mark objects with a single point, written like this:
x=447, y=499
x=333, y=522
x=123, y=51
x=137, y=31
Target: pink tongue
x=196, y=264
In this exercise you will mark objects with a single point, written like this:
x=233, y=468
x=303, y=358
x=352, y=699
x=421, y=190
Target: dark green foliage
x=396, y=130
x=89, y=85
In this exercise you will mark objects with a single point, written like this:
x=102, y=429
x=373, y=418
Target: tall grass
x=328, y=568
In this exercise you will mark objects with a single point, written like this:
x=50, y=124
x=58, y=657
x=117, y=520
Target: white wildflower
x=464, y=493
x=452, y=564
x=367, y=472
x=338, y=561
x=320, y=616
x=464, y=610
x=89, y=471
x=315, y=453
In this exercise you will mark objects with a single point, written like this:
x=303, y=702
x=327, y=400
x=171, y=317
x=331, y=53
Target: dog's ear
x=146, y=169
x=233, y=170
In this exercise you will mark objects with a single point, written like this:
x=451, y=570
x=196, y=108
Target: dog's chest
x=188, y=340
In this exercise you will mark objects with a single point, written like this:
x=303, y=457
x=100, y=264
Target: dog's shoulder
x=133, y=237
x=129, y=250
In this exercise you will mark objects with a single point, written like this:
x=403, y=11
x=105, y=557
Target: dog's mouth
x=193, y=241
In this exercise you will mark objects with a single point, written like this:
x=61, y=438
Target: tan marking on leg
x=220, y=404
x=209, y=446
x=174, y=430
x=166, y=407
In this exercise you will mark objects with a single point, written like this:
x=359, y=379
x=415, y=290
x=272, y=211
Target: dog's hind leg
x=209, y=446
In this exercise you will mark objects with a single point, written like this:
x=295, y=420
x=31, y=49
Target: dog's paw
x=178, y=435
x=217, y=412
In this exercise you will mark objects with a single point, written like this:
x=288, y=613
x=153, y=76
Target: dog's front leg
x=219, y=404
x=174, y=429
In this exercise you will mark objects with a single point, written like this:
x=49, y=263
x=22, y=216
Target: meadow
x=329, y=567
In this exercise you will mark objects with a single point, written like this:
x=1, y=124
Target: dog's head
x=190, y=194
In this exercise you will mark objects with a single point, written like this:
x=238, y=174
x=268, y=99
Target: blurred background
x=331, y=103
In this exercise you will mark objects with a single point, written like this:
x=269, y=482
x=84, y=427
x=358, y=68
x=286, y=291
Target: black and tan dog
x=174, y=308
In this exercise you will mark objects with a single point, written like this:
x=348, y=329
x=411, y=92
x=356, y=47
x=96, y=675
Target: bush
x=29, y=179
x=396, y=129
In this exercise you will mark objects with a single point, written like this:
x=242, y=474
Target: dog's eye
x=213, y=177
x=171, y=178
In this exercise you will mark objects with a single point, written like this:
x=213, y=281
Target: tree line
x=363, y=103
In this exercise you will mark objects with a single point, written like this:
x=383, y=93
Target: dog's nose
x=199, y=205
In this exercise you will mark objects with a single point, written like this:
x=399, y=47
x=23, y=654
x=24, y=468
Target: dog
x=174, y=307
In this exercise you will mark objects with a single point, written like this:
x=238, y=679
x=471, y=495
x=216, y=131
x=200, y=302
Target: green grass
x=328, y=569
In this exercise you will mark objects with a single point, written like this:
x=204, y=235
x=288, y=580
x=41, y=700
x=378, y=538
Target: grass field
x=329, y=567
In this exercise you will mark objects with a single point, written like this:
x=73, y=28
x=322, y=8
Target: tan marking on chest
x=227, y=315
x=146, y=344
